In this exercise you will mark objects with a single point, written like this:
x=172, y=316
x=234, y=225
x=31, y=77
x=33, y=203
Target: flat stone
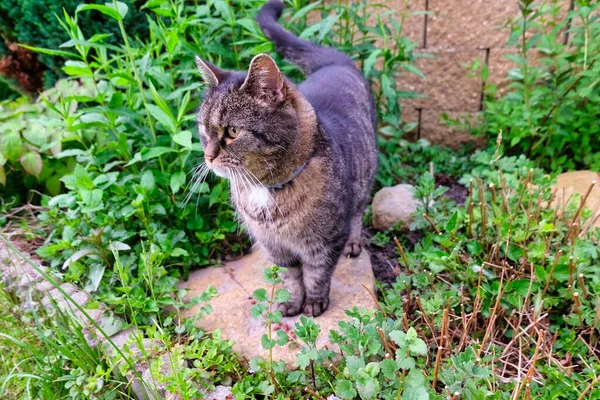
x=579, y=182
x=393, y=205
x=220, y=393
x=235, y=282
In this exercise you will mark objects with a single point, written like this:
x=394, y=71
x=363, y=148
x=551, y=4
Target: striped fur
x=325, y=127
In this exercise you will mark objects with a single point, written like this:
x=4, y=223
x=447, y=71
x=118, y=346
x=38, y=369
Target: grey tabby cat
x=301, y=160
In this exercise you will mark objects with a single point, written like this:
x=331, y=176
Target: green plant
x=133, y=139
x=32, y=143
x=46, y=355
x=550, y=111
x=34, y=23
x=514, y=268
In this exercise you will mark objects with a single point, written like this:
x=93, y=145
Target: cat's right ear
x=211, y=74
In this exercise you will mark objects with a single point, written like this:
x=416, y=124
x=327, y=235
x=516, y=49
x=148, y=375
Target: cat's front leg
x=292, y=280
x=317, y=282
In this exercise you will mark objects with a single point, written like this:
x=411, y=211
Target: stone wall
x=455, y=33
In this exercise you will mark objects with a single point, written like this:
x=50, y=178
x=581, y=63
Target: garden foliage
x=550, y=109
x=497, y=300
x=35, y=23
x=134, y=175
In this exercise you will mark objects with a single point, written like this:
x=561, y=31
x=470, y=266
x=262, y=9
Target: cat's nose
x=210, y=157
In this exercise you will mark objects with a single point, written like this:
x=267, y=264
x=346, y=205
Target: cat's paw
x=314, y=308
x=353, y=248
x=290, y=308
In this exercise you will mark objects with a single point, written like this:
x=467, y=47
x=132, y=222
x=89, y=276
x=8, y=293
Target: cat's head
x=247, y=122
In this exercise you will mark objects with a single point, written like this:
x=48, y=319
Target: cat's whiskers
x=235, y=190
x=200, y=172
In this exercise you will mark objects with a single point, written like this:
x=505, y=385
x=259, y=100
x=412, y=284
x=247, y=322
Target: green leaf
x=257, y=310
x=368, y=388
x=353, y=364
x=121, y=8
x=282, y=295
x=389, y=368
x=451, y=225
x=51, y=52
x=399, y=338
x=32, y=163
x=370, y=62
x=165, y=120
x=177, y=181
x=302, y=360
x=106, y=10
x=404, y=362
x=160, y=102
x=11, y=145
x=414, y=386
x=94, y=276
x=184, y=138
x=266, y=343
x=344, y=389
x=77, y=68
x=147, y=180
x=82, y=178
x=260, y=294
x=154, y=152
x=2, y=176
x=282, y=337
x=418, y=347
x=2, y=159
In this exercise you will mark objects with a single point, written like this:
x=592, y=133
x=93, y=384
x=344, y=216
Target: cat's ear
x=264, y=81
x=211, y=74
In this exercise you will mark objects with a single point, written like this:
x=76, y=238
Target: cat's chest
x=258, y=205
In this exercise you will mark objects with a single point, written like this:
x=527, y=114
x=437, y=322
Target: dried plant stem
x=386, y=345
x=492, y=317
x=582, y=285
x=375, y=300
x=556, y=258
x=442, y=343
x=482, y=206
x=435, y=228
x=313, y=393
x=426, y=318
x=531, y=369
x=401, y=250
x=580, y=209
x=334, y=368
x=588, y=388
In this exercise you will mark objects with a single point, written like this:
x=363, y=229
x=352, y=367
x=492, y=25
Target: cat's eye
x=232, y=131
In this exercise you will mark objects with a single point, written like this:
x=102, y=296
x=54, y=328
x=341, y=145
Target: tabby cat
x=301, y=159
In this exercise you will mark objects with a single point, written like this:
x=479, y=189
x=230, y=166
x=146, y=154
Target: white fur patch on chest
x=260, y=197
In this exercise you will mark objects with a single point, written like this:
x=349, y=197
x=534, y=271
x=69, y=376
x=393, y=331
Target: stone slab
x=573, y=182
x=235, y=282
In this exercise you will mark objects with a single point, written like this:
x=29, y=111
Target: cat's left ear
x=211, y=74
x=264, y=81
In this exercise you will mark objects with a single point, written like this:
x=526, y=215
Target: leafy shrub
x=34, y=23
x=550, y=112
x=31, y=145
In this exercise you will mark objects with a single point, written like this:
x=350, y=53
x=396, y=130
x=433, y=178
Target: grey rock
x=220, y=393
x=393, y=205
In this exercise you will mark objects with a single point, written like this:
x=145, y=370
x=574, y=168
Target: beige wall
x=456, y=33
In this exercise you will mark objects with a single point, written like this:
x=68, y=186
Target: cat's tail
x=306, y=55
